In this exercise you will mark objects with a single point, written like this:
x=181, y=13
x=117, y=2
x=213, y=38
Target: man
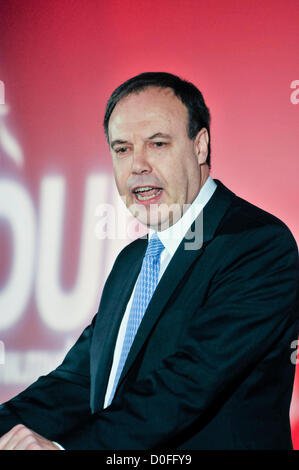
x=190, y=348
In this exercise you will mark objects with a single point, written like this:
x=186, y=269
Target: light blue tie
x=145, y=286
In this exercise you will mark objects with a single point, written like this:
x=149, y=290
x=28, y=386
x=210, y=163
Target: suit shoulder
x=244, y=216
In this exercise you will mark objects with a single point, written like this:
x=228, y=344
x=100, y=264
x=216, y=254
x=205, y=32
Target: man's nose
x=140, y=163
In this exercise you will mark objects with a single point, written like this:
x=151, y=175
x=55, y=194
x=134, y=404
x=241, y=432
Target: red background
x=61, y=59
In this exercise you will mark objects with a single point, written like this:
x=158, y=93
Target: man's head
x=157, y=126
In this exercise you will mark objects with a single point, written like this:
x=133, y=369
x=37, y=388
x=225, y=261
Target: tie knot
x=155, y=246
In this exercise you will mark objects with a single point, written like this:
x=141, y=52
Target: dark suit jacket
x=210, y=367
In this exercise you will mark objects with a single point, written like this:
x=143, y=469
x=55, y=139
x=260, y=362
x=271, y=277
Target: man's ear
x=201, y=146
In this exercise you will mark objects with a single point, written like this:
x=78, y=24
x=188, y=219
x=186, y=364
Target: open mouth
x=146, y=193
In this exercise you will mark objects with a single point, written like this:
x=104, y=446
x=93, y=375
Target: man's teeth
x=145, y=188
x=145, y=198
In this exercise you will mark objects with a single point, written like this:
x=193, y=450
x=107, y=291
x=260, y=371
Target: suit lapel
x=110, y=313
x=202, y=229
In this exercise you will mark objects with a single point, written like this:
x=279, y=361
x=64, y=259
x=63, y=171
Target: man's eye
x=159, y=144
x=121, y=149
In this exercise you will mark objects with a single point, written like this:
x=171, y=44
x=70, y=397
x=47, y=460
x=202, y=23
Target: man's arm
x=55, y=403
x=252, y=303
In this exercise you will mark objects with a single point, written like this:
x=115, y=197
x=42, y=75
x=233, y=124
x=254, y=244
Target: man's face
x=157, y=167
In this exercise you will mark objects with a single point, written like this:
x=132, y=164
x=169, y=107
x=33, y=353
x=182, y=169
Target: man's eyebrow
x=160, y=134
x=154, y=136
x=117, y=142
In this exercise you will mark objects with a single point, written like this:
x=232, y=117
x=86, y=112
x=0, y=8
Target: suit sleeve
x=252, y=302
x=57, y=402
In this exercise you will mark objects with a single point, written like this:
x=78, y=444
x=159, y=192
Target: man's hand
x=22, y=438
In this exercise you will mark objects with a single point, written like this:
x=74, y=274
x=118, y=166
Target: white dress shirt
x=171, y=238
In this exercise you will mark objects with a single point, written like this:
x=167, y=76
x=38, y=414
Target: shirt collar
x=173, y=235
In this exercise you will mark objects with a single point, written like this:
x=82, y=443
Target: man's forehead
x=149, y=106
